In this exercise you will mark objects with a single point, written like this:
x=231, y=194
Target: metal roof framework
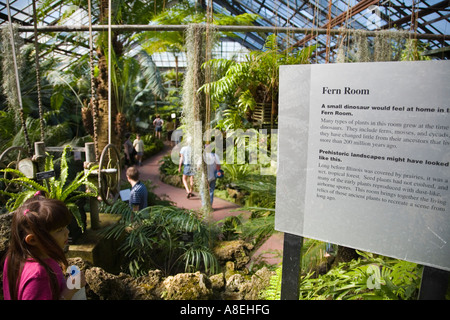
x=417, y=17
x=420, y=17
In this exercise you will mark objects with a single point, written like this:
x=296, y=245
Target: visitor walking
x=34, y=263
x=138, y=145
x=188, y=169
x=129, y=151
x=212, y=166
x=139, y=193
x=158, y=123
x=170, y=127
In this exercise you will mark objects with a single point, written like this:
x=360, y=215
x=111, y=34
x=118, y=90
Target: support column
x=290, y=278
x=434, y=284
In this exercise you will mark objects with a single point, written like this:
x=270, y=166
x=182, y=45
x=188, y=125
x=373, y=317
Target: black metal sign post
x=290, y=272
x=44, y=175
x=434, y=284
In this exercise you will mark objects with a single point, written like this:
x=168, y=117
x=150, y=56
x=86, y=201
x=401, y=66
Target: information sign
x=363, y=157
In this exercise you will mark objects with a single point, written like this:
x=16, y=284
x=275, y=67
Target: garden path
x=270, y=251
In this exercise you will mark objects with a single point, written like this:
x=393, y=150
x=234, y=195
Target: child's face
x=61, y=236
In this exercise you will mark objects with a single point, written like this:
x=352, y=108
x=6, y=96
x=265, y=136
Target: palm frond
x=194, y=257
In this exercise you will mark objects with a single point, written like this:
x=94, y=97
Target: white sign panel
x=363, y=157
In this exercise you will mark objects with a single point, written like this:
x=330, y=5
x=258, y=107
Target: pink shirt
x=34, y=282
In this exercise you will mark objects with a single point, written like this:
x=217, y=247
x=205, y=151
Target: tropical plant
x=134, y=79
x=413, y=51
x=151, y=145
x=62, y=189
x=183, y=13
x=168, y=166
x=229, y=227
x=370, y=277
x=123, y=12
x=61, y=97
x=163, y=237
x=254, y=81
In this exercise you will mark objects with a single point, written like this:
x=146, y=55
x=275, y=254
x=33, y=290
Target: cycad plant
x=162, y=237
x=62, y=189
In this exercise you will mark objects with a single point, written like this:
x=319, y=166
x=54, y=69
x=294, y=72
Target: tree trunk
x=102, y=90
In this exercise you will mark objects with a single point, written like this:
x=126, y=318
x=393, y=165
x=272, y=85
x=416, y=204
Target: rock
x=218, y=285
x=187, y=286
x=234, y=287
x=80, y=263
x=237, y=251
x=239, y=287
x=148, y=287
x=104, y=285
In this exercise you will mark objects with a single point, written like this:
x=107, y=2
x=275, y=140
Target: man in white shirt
x=138, y=145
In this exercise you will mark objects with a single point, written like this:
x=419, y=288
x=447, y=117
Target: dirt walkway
x=222, y=208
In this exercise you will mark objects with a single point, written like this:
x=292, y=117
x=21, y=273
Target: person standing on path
x=138, y=145
x=158, y=123
x=188, y=170
x=212, y=166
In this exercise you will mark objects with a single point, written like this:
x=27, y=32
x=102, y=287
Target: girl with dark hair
x=34, y=263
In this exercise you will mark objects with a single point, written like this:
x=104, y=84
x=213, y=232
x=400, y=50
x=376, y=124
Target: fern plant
x=370, y=277
x=62, y=189
x=253, y=81
x=158, y=237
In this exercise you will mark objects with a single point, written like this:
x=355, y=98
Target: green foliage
x=168, y=167
x=244, y=84
x=229, y=227
x=155, y=237
x=367, y=278
x=413, y=51
x=63, y=189
x=135, y=79
x=235, y=172
x=273, y=290
x=151, y=145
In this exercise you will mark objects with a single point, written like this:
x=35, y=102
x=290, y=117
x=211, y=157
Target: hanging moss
x=9, y=78
x=387, y=45
x=195, y=108
x=362, y=44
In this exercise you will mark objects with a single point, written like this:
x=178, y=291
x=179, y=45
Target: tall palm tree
x=134, y=79
x=137, y=12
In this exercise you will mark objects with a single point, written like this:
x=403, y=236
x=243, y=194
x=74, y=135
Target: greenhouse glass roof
x=427, y=20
